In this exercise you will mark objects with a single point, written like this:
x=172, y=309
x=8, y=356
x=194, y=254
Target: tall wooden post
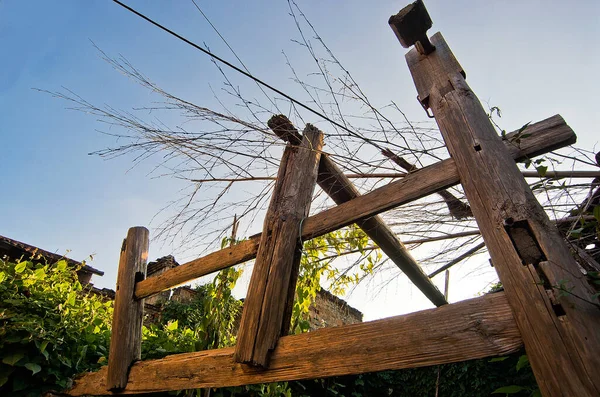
x=126, y=335
x=552, y=303
x=268, y=305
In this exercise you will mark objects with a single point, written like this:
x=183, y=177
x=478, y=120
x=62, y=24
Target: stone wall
x=331, y=311
x=157, y=268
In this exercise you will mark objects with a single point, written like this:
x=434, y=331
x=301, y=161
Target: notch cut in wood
x=524, y=241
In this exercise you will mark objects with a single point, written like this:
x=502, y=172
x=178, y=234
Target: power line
x=259, y=81
x=233, y=52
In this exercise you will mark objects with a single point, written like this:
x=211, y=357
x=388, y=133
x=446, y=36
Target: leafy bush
x=50, y=328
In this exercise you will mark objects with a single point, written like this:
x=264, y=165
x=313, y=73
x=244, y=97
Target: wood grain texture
x=560, y=331
x=126, y=336
x=546, y=135
x=476, y=328
x=273, y=282
x=213, y=262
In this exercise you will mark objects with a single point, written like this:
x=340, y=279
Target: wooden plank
x=457, y=208
x=559, y=328
x=273, y=283
x=475, y=328
x=213, y=262
x=126, y=335
x=422, y=183
x=549, y=134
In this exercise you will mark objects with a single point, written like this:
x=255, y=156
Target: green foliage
x=206, y=322
x=50, y=328
x=317, y=264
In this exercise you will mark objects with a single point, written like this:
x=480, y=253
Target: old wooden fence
x=560, y=331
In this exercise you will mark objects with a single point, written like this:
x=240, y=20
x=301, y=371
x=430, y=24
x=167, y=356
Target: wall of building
x=331, y=311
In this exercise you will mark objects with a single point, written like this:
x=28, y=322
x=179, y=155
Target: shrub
x=51, y=328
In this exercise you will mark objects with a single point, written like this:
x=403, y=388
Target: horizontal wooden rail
x=475, y=328
x=549, y=134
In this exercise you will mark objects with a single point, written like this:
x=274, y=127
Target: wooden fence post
x=552, y=302
x=268, y=305
x=126, y=336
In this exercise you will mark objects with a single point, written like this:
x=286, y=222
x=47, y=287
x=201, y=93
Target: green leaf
x=3, y=379
x=61, y=265
x=576, y=233
x=597, y=212
x=523, y=362
x=12, y=359
x=43, y=346
x=542, y=169
x=173, y=325
x=33, y=367
x=523, y=128
x=20, y=267
x=513, y=389
x=71, y=299
x=66, y=361
x=5, y=374
x=536, y=393
x=497, y=359
x=40, y=274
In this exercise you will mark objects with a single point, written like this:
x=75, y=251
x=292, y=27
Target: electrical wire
x=256, y=79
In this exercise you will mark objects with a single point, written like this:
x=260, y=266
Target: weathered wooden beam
x=457, y=208
x=549, y=134
x=213, y=262
x=553, y=304
x=126, y=335
x=341, y=190
x=270, y=295
x=472, y=329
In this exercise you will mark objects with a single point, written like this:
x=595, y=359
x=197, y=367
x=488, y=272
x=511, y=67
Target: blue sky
x=531, y=58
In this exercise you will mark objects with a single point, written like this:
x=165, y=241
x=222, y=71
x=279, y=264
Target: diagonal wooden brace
x=268, y=305
x=333, y=181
